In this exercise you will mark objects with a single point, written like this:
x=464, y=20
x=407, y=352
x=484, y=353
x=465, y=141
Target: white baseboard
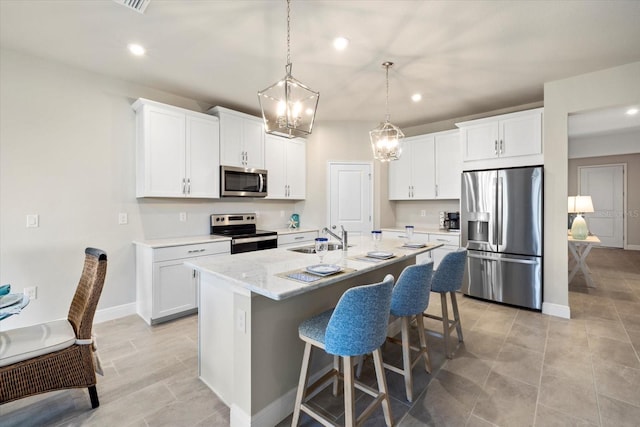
x=557, y=310
x=112, y=313
x=632, y=247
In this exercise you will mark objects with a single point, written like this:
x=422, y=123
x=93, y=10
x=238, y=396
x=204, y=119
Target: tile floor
x=515, y=368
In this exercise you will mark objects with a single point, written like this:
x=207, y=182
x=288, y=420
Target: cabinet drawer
x=191, y=251
x=294, y=238
x=446, y=239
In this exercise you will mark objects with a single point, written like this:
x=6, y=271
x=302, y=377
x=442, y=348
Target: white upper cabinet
x=241, y=138
x=448, y=165
x=513, y=139
x=177, y=152
x=412, y=176
x=429, y=168
x=285, y=161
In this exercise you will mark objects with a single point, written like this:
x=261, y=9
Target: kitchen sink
x=312, y=249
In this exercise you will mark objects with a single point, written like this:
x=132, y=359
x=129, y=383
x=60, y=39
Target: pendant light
x=288, y=106
x=386, y=139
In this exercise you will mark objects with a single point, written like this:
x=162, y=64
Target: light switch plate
x=123, y=218
x=32, y=221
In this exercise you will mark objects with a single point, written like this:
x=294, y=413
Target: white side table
x=580, y=250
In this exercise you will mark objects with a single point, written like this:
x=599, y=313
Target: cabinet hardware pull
x=298, y=238
x=195, y=250
x=501, y=146
x=183, y=186
x=495, y=147
x=188, y=185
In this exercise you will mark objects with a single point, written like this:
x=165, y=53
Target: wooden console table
x=580, y=250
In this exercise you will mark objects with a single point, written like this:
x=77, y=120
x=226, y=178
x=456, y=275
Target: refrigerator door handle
x=499, y=212
x=502, y=259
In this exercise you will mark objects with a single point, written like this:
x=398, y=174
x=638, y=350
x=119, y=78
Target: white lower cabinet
x=297, y=238
x=165, y=287
x=450, y=241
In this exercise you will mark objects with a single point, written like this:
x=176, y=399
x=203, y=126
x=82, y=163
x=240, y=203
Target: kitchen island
x=249, y=352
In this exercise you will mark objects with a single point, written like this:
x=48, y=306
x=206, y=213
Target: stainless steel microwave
x=242, y=182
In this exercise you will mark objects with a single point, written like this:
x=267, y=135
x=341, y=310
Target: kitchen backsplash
x=423, y=213
x=160, y=218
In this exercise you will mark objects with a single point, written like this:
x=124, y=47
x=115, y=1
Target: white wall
x=345, y=142
x=67, y=153
x=610, y=144
x=606, y=88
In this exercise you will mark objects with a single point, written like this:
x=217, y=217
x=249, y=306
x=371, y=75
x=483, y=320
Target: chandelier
x=386, y=139
x=288, y=106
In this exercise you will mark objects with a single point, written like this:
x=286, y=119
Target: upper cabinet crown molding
x=241, y=138
x=507, y=140
x=429, y=168
x=177, y=152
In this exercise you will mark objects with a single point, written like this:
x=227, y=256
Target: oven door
x=250, y=244
x=241, y=182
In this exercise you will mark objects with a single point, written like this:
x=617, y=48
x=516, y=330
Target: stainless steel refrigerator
x=501, y=225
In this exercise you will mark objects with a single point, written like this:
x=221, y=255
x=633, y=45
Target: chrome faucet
x=342, y=240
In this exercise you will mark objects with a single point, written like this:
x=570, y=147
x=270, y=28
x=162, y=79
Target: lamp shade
x=584, y=204
x=579, y=205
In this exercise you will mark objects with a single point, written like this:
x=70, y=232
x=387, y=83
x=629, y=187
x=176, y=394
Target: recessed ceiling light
x=340, y=43
x=136, y=49
x=632, y=111
x=416, y=97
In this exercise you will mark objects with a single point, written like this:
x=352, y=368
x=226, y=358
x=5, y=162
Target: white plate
x=380, y=254
x=324, y=269
x=414, y=245
x=10, y=299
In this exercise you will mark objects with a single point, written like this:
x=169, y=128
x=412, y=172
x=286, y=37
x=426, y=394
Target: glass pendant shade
x=386, y=139
x=386, y=142
x=288, y=107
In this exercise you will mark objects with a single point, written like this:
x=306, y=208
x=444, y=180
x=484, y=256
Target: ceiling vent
x=137, y=5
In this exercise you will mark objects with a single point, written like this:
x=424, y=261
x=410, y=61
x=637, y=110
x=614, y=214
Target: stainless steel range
x=242, y=230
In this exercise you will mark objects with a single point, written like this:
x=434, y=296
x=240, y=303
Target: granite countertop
x=207, y=238
x=285, y=230
x=180, y=241
x=259, y=272
x=425, y=230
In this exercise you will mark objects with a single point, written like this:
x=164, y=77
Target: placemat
x=302, y=275
x=366, y=258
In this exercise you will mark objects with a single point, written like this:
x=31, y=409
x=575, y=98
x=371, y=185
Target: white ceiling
x=465, y=57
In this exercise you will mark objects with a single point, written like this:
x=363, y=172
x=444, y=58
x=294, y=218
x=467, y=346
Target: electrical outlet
x=123, y=218
x=183, y=217
x=32, y=221
x=31, y=292
x=241, y=321
x=423, y=212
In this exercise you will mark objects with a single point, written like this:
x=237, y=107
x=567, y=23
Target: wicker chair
x=56, y=355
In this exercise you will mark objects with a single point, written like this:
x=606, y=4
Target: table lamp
x=579, y=205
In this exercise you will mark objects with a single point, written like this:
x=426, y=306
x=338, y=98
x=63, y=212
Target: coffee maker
x=450, y=221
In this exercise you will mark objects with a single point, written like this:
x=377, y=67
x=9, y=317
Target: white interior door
x=350, y=198
x=605, y=185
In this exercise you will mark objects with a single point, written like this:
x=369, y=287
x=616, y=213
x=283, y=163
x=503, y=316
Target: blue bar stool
x=410, y=299
x=448, y=279
x=357, y=326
